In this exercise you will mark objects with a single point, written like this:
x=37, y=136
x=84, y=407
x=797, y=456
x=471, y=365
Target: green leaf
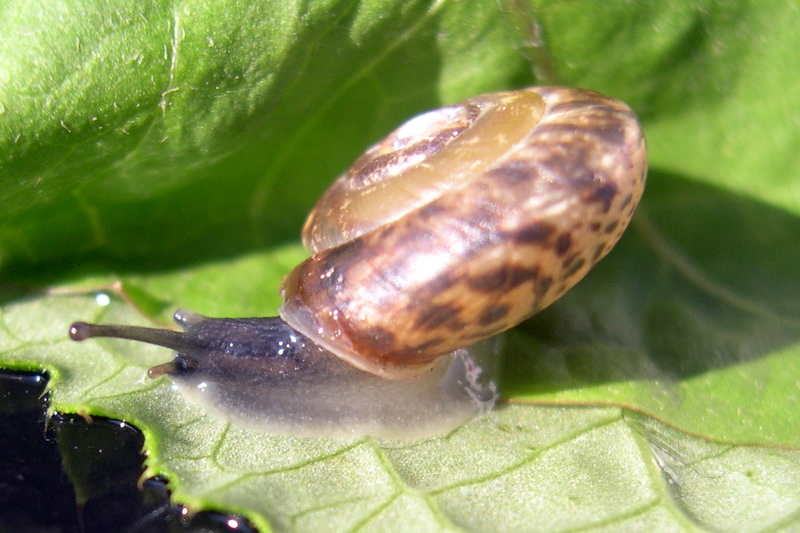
x=165, y=155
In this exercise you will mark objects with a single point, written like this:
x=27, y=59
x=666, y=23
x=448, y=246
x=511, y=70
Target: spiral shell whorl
x=493, y=240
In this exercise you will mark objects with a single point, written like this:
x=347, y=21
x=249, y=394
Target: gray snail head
x=460, y=224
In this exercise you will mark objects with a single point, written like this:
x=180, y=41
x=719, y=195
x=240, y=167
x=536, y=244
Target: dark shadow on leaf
x=704, y=279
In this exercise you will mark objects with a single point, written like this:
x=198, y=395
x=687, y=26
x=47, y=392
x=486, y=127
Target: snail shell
x=457, y=226
x=464, y=222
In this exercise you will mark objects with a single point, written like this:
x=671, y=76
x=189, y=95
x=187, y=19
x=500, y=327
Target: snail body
x=460, y=224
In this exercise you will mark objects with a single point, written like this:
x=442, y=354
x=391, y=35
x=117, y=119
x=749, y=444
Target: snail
x=460, y=224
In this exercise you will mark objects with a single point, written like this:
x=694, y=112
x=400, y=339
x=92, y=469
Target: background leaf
x=175, y=149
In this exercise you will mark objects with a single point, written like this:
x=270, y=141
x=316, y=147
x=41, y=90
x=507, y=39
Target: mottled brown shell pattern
x=464, y=222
